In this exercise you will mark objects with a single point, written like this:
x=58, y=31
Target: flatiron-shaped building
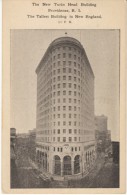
x=65, y=132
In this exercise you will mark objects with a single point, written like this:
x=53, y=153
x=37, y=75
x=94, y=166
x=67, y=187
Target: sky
x=28, y=48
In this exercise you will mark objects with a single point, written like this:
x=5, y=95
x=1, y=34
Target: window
x=75, y=131
x=79, y=73
x=58, y=78
x=58, y=56
x=64, y=122
x=70, y=139
x=58, y=123
x=58, y=71
x=69, y=115
x=74, y=78
x=74, y=93
x=58, y=93
x=64, y=55
x=75, y=139
x=64, y=77
x=69, y=100
x=78, y=58
x=64, y=63
x=64, y=100
x=64, y=85
x=54, y=86
x=58, y=115
x=74, y=64
x=64, y=139
x=54, y=65
x=54, y=57
x=74, y=71
x=69, y=85
x=58, y=85
x=64, y=130
x=69, y=107
x=69, y=55
x=64, y=107
x=64, y=70
x=64, y=92
x=69, y=63
x=64, y=115
x=58, y=63
x=54, y=108
x=69, y=77
x=74, y=86
x=69, y=122
x=58, y=139
x=74, y=108
x=74, y=57
x=69, y=48
x=54, y=72
x=58, y=131
x=74, y=123
x=75, y=148
x=69, y=70
x=58, y=108
x=58, y=100
x=54, y=131
x=75, y=100
x=69, y=92
x=70, y=130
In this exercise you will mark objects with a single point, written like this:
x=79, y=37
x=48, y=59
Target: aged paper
x=63, y=96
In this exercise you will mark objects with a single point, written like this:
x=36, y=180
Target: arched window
x=67, y=165
x=77, y=164
x=57, y=165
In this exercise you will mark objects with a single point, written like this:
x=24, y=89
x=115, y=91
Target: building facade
x=65, y=128
x=102, y=134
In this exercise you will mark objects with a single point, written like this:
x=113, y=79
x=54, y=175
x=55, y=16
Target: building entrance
x=67, y=165
x=57, y=166
x=77, y=164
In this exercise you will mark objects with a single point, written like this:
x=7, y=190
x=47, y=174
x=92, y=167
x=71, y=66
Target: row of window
x=66, y=48
x=58, y=131
x=65, y=100
x=60, y=149
x=65, y=78
x=64, y=55
x=66, y=139
x=64, y=63
x=65, y=123
x=65, y=93
x=75, y=108
x=64, y=85
x=64, y=116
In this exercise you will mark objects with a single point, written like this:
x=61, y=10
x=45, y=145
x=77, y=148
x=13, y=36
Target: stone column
x=62, y=167
x=72, y=167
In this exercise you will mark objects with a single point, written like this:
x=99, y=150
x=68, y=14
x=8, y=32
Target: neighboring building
x=65, y=132
x=115, y=152
x=32, y=144
x=102, y=134
x=13, y=168
x=101, y=123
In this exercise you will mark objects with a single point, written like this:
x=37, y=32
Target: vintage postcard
x=63, y=96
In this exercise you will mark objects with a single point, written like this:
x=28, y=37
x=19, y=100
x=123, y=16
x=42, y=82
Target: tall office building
x=65, y=136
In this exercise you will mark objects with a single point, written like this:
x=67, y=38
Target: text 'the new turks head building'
x=65, y=132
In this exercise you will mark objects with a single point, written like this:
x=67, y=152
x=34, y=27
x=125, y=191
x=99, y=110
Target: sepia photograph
x=64, y=108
